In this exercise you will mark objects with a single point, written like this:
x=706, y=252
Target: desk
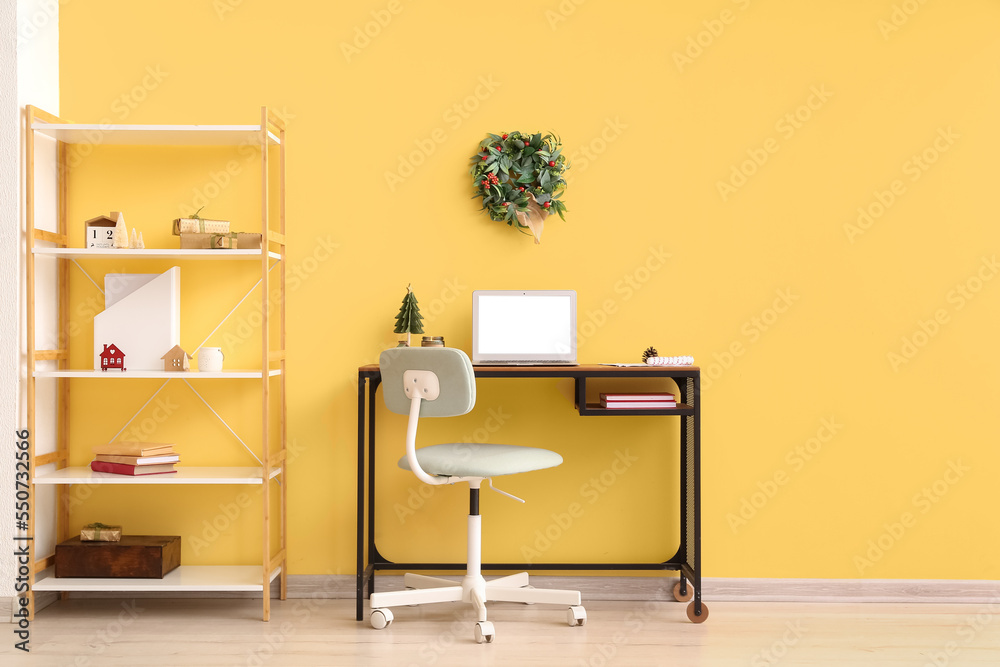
x=687, y=560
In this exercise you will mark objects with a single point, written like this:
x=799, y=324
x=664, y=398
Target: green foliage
x=520, y=163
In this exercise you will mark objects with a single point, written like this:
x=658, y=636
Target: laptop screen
x=526, y=325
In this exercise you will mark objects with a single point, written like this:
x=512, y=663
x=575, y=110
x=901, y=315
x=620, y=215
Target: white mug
x=210, y=359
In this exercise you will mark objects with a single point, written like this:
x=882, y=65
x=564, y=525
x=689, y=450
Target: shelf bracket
x=84, y=272
x=245, y=297
x=139, y=411
x=219, y=417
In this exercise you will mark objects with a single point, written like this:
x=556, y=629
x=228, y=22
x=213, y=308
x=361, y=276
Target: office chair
x=439, y=382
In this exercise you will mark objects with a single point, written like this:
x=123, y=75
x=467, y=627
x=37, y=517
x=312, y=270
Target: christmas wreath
x=519, y=177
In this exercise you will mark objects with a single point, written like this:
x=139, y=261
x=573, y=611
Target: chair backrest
x=454, y=371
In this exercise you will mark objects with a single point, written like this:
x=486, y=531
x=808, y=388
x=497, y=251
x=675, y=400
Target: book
x=138, y=460
x=125, y=469
x=130, y=448
x=656, y=396
x=637, y=405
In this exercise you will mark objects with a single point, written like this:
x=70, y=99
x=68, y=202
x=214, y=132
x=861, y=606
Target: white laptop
x=524, y=327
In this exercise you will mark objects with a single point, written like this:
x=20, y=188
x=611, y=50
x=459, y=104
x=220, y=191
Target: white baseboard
x=852, y=590
x=641, y=588
x=720, y=589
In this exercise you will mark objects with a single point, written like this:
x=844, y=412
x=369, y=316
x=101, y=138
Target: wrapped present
x=230, y=241
x=200, y=226
x=99, y=532
x=224, y=241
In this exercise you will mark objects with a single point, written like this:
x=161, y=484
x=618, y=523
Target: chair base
x=475, y=590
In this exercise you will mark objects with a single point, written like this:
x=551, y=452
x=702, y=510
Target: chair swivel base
x=477, y=591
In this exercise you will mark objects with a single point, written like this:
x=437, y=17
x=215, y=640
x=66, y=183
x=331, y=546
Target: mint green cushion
x=465, y=459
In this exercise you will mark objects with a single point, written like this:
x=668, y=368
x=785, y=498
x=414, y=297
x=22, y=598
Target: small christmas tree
x=121, y=233
x=409, y=320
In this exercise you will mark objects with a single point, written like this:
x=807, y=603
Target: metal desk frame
x=687, y=560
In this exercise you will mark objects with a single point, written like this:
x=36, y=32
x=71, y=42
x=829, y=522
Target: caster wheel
x=576, y=616
x=697, y=618
x=485, y=632
x=688, y=592
x=380, y=618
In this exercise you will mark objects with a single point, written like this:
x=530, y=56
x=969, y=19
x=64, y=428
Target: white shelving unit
x=56, y=245
x=184, y=475
x=149, y=375
x=184, y=579
x=167, y=253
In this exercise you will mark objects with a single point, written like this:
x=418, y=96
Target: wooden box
x=134, y=557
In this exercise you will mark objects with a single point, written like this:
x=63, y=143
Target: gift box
x=200, y=226
x=99, y=532
x=223, y=242
x=230, y=241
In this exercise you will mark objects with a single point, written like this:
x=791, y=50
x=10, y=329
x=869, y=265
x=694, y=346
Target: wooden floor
x=190, y=632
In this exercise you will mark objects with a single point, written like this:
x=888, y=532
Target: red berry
x=504, y=136
x=551, y=163
x=484, y=157
x=545, y=205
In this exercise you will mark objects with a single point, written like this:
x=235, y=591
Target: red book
x=126, y=469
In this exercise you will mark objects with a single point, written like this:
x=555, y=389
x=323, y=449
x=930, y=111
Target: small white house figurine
x=100, y=231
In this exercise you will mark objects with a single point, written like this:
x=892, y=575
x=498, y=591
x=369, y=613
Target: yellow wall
x=848, y=365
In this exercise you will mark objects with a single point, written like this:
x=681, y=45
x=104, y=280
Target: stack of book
x=134, y=458
x=648, y=401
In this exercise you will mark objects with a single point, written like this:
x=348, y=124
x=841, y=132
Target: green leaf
x=529, y=151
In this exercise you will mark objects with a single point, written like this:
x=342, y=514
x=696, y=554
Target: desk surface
x=583, y=370
x=686, y=404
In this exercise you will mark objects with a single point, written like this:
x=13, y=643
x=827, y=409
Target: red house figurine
x=112, y=357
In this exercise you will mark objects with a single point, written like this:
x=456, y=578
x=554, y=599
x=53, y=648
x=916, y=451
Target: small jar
x=432, y=341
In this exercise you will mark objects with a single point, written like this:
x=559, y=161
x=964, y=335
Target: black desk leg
x=361, y=497
x=373, y=384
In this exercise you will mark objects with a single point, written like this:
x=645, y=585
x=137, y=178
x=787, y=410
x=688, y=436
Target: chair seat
x=472, y=459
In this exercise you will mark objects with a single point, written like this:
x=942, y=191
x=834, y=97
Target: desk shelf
x=595, y=410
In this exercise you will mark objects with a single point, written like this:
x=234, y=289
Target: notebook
x=524, y=327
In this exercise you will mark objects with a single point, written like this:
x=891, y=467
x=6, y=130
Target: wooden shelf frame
x=267, y=135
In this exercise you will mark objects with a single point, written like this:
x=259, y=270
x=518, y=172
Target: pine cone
x=649, y=352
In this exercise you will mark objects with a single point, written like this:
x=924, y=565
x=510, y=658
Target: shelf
x=155, y=135
x=184, y=475
x=153, y=253
x=189, y=578
x=160, y=375
x=595, y=409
